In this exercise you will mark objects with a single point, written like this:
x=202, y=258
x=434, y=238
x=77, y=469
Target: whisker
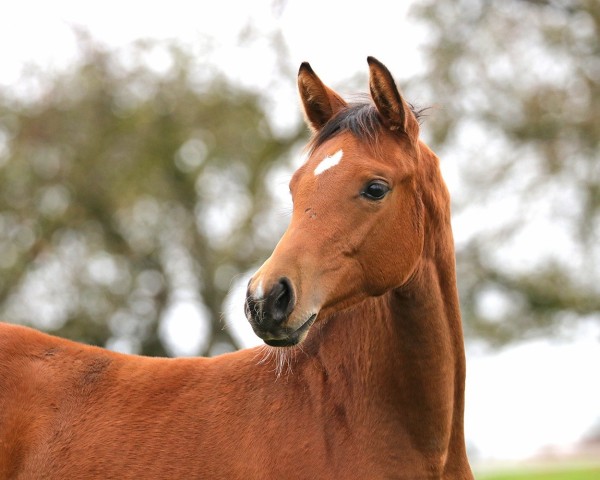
x=280, y=358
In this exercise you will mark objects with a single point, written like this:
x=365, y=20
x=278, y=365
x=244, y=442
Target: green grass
x=545, y=473
x=561, y=473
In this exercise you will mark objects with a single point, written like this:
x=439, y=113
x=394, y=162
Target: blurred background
x=145, y=153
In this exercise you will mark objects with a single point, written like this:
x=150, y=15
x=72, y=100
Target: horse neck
x=404, y=350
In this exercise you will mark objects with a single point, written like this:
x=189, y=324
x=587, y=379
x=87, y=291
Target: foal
x=360, y=294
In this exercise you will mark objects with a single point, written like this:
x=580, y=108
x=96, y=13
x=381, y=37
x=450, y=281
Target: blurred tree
x=138, y=181
x=519, y=85
x=128, y=185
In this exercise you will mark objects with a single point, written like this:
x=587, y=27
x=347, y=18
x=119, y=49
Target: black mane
x=360, y=119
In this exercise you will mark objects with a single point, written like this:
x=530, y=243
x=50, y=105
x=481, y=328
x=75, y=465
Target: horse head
x=356, y=228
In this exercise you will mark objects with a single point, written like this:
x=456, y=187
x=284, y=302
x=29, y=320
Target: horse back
x=42, y=382
x=72, y=409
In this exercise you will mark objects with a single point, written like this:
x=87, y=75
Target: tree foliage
x=519, y=87
x=127, y=188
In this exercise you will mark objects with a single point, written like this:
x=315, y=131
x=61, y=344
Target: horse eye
x=375, y=190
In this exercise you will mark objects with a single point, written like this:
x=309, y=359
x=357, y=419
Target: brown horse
x=358, y=299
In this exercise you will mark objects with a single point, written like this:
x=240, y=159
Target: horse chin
x=293, y=338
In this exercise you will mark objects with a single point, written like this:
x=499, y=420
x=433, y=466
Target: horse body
x=361, y=290
x=74, y=411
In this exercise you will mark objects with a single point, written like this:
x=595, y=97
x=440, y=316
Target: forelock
x=361, y=119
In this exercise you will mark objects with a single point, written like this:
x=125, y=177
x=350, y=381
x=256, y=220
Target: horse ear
x=395, y=112
x=320, y=102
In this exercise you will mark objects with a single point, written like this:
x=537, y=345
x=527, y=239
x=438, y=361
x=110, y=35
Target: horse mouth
x=295, y=337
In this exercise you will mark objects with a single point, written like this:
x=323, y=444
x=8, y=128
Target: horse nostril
x=268, y=312
x=281, y=300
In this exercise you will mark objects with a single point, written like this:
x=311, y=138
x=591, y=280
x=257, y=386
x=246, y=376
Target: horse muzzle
x=270, y=313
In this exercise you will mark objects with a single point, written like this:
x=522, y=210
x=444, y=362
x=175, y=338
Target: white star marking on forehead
x=328, y=162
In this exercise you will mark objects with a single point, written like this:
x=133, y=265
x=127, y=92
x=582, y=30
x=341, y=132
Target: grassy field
x=561, y=473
